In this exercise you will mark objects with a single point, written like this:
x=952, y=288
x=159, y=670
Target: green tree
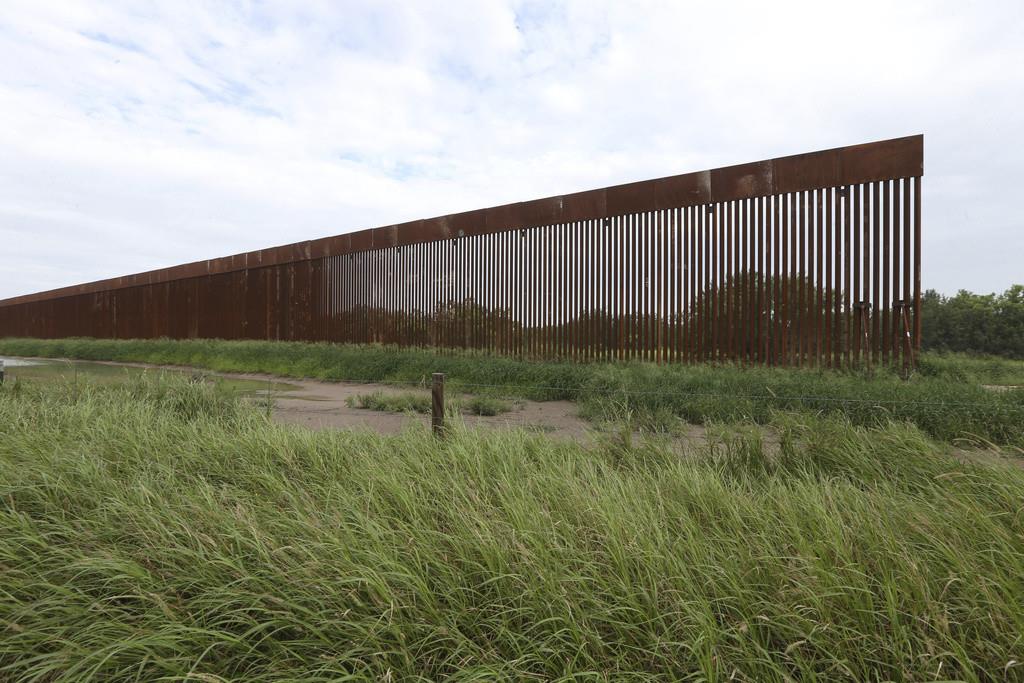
x=974, y=323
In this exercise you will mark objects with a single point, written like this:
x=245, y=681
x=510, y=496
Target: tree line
x=974, y=323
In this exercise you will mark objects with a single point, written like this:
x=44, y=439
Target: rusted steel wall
x=812, y=259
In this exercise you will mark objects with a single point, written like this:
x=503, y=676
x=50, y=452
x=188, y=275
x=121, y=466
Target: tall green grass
x=163, y=531
x=946, y=399
x=943, y=408
x=963, y=367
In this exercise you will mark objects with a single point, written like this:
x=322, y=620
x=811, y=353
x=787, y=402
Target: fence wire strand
x=514, y=392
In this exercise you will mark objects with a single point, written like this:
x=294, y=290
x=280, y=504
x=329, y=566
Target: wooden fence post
x=437, y=404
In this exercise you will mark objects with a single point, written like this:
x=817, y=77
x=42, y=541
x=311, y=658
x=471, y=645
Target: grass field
x=59, y=370
x=163, y=530
x=947, y=398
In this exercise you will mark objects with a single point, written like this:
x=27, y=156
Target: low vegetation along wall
x=813, y=259
x=947, y=398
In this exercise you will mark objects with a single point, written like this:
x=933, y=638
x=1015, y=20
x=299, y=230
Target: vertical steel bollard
x=437, y=404
x=1, y=371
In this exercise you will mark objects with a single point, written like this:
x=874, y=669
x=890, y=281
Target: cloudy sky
x=140, y=135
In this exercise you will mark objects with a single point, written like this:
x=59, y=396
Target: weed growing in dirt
x=391, y=403
x=483, y=406
x=410, y=402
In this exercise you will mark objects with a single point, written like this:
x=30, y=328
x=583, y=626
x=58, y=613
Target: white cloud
x=137, y=135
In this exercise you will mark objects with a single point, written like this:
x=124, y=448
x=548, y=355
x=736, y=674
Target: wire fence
x=528, y=392
x=525, y=392
x=600, y=412
x=685, y=402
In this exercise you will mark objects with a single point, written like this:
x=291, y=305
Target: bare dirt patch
x=324, y=405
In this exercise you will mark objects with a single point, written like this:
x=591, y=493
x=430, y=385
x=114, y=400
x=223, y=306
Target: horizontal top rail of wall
x=808, y=258
x=897, y=158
